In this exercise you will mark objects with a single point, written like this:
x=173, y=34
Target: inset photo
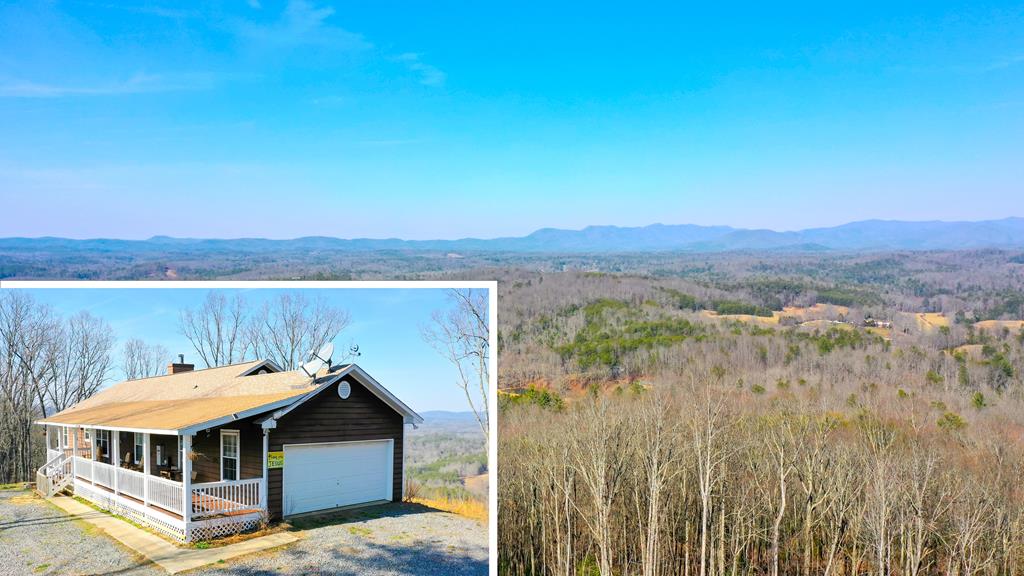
x=294, y=428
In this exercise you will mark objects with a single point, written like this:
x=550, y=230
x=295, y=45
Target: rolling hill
x=867, y=235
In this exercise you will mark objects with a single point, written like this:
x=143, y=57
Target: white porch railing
x=103, y=474
x=215, y=498
x=165, y=493
x=131, y=483
x=53, y=476
x=162, y=492
x=83, y=468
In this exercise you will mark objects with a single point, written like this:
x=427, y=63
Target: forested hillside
x=776, y=415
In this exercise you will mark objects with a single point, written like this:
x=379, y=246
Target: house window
x=102, y=444
x=229, y=454
x=138, y=448
x=66, y=441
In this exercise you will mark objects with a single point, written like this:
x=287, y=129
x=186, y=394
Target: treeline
x=47, y=363
x=558, y=328
x=440, y=456
x=699, y=477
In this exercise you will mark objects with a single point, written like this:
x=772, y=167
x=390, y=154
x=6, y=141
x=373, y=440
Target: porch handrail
x=103, y=474
x=165, y=493
x=131, y=483
x=50, y=462
x=54, y=475
x=83, y=467
x=216, y=498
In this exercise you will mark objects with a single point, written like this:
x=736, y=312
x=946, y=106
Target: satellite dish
x=318, y=359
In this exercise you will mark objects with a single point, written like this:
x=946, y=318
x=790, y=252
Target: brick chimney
x=180, y=366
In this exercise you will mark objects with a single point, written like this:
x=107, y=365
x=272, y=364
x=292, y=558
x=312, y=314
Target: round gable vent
x=344, y=389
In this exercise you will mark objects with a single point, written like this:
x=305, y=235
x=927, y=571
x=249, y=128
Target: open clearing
x=929, y=321
x=996, y=325
x=816, y=316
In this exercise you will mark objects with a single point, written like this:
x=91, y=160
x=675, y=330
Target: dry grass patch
x=26, y=498
x=816, y=312
x=879, y=331
x=773, y=320
x=929, y=321
x=473, y=509
x=997, y=325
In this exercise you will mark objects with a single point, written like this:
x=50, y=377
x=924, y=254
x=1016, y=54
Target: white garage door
x=321, y=476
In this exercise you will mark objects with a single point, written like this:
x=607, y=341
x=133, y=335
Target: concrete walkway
x=163, y=553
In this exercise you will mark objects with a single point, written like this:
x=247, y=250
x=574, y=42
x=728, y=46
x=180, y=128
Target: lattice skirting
x=198, y=530
x=227, y=526
x=109, y=502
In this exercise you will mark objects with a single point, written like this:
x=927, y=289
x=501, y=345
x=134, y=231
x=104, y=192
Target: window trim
x=138, y=447
x=237, y=457
x=103, y=443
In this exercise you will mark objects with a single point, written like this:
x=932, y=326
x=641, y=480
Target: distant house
x=201, y=453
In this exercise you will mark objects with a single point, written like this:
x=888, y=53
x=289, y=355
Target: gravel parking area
x=394, y=539
x=39, y=538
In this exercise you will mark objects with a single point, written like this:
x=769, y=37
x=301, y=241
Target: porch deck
x=202, y=505
x=148, y=478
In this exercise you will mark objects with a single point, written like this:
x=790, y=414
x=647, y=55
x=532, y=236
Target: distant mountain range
x=867, y=235
x=448, y=416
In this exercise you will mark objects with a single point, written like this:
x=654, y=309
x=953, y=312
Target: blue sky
x=450, y=119
x=385, y=323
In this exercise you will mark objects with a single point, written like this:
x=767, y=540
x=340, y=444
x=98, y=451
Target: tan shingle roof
x=178, y=401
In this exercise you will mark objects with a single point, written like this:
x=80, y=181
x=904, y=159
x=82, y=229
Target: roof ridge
x=193, y=371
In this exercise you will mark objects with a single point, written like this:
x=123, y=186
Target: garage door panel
x=322, y=476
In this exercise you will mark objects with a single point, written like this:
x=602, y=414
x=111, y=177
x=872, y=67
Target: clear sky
x=385, y=323
x=448, y=119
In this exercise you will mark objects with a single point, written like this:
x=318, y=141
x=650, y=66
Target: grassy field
x=994, y=325
x=929, y=321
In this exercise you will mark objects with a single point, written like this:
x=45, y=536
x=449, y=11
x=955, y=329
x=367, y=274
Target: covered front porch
x=149, y=477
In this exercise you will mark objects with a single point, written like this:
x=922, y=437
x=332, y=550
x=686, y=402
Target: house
x=197, y=454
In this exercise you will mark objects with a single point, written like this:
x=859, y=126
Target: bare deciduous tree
x=284, y=329
x=46, y=365
x=142, y=360
x=461, y=335
x=216, y=329
x=80, y=361
x=288, y=327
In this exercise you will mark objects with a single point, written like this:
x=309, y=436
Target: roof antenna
x=318, y=359
x=181, y=358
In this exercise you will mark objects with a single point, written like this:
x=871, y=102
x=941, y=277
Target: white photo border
x=492, y=295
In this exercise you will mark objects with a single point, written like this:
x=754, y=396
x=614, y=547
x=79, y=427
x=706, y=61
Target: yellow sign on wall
x=275, y=459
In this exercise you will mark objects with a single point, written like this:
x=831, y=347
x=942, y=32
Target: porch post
x=92, y=457
x=264, y=502
x=115, y=457
x=48, y=445
x=145, y=468
x=74, y=454
x=186, y=480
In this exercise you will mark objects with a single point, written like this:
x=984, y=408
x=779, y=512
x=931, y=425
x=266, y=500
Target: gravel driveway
x=38, y=538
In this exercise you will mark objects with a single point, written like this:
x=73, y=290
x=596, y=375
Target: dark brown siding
x=207, y=445
x=170, y=451
x=328, y=418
